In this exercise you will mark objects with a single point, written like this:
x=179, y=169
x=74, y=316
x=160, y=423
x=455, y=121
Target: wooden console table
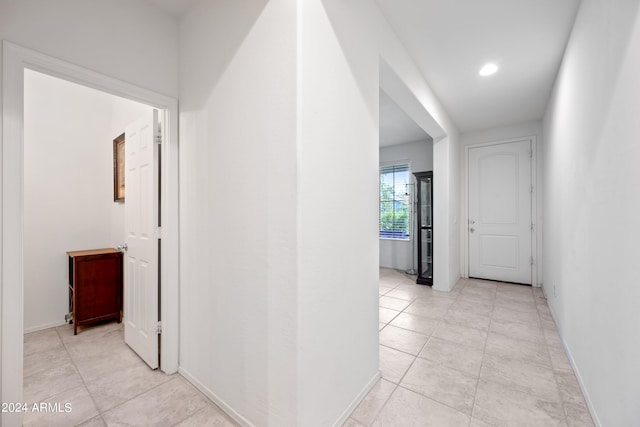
x=95, y=286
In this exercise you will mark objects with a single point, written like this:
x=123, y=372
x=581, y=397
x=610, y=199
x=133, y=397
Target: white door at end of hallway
x=500, y=225
x=141, y=233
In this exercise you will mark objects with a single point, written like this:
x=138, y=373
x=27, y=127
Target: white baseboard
x=576, y=371
x=43, y=327
x=246, y=423
x=215, y=399
x=356, y=401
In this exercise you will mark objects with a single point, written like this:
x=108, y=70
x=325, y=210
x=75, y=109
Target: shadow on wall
x=222, y=34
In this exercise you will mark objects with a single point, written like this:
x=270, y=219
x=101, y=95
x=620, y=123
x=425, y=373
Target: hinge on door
x=532, y=189
x=531, y=259
x=158, y=233
x=532, y=227
x=158, y=139
x=159, y=328
x=531, y=154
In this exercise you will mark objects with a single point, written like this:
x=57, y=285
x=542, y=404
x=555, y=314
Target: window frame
x=409, y=184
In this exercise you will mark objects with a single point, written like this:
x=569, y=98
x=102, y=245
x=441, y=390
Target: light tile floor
x=106, y=383
x=485, y=354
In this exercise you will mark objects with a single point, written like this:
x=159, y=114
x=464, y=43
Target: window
x=394, y=212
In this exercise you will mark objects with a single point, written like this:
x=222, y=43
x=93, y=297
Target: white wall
x=529, y=129
x=238, y=207
x=398, y=253
x=130, y=41
x=591, y=206
x=282, y=282
x=68, y=187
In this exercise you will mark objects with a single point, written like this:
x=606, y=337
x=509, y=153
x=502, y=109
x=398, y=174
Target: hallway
x=485, y=354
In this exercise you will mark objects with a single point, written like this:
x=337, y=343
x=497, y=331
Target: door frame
x=536, y=233
x=15, y=60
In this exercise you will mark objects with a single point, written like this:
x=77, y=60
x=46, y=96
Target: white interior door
x=500, y=212
x=141, y=256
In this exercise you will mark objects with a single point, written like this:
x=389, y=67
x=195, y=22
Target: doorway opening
x=15, y=61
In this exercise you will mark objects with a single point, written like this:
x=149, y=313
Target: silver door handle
x=123, y=247
x=472, y=229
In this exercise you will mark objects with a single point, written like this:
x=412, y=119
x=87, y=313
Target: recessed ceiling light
x=488, y=69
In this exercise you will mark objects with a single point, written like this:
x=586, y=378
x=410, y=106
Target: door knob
x=472, y=229
x=471, y=221
x=123, y=247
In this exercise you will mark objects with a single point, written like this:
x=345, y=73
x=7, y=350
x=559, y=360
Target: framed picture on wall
x=118, y=169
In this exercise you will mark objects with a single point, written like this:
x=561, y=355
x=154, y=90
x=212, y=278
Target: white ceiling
x=451, y=39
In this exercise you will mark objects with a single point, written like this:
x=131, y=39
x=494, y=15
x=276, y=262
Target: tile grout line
x=100, y=412
x=553, y=370
x=484, y=352
x=84, y=383
x=415, y=358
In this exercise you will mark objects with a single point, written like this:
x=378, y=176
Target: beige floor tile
x=496, y=404
x=528, y=307
x=504, y=313
x=124, y=383
x=552, y=338
x=406, y=295
x=467, y=318
x=531, y=332
x=45, y=340
x=81, y=409
x=413, y=322
x=96, y=421
x=480, y=292
x=481, y=309
x=559, y=359
x=506, y=347
x=55, y=380
x=544, y=309
x=408, y=409
x=384, y=290
x=452, y=355
x=578, y=415
x=478, y=423
x=209, y=416
x=95, y=366
x=452, y=295
x=38, y=362
x=429, y=307
x=570, y=391
x=403, y=339
x=448, y=386
x=525, y=377
x=386, y=315
x=394, y=364
x=393, y=303
x=157, y=407
x=515, y=293
x=482, y=284
x=416, y=291
x=99, y=331
x=371, y=405
x=474, y=298
x=461, y=335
